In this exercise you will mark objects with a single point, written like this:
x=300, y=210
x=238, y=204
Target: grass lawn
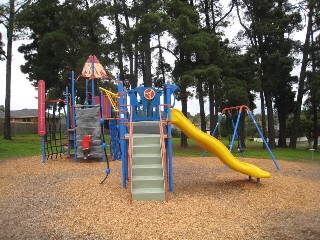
x=21, y=145
x=252, y=150
x=24, y=145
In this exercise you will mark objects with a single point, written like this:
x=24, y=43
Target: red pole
x=41, y=108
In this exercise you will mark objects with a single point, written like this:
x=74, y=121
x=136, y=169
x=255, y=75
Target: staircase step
x=143, y=194
x=145, y=139
x=147, y=182
x=144, y=159
x=147, y=170
x=147, y=127
x=146, y=149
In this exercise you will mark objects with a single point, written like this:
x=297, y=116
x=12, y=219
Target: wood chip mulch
x=65, y=200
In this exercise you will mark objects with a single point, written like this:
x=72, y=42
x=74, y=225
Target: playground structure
x=80, y=119
x=140, y=133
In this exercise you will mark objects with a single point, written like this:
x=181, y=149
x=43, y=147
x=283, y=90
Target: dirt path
x=63, y=200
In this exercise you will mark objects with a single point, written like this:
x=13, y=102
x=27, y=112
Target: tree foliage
x=151, y=41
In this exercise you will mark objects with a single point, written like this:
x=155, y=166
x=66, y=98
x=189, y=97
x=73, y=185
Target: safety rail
x=130, y=152
x=163, y=151
x=113, y=98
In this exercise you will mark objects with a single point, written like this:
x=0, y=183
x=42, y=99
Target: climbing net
x=54, y=139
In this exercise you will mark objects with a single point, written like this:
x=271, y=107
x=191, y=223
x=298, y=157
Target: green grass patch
x=26, y=145
x=21, y=145
x=252, y=150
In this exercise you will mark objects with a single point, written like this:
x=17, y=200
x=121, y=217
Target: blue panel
x=145, y=109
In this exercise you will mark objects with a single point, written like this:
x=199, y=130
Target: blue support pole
x=92, y=92
x=68, y=119
x=92, y=83
x=264, y=141
x=74, y=117
x=122, y=132
x=235, y=130
x=103, y=146
x=214, y=132
x=87, y=94
x=167, y=100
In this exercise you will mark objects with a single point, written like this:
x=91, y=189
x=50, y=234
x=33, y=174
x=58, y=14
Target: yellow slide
x=214, y=146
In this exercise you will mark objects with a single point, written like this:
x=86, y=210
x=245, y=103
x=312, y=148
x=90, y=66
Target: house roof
x=23, y=113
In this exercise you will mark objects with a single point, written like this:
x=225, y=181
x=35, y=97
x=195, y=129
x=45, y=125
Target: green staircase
x=147, y=168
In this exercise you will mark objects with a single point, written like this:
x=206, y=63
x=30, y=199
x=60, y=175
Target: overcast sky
x=23, y=94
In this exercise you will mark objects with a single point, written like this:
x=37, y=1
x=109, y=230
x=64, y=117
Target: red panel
x=41, y=108
x=106, y=105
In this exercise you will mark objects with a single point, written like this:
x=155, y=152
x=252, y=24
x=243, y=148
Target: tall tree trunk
x=201, y=106
x=119, y=44
x=206, y=12
x=147, y=60
x=213, y=120
x=313, y=98
x=263, y=116
x=132, y=78
x=7, y=126
x=282, y=143
x=134, y=83
x=242, y=127
x=161, y=62
x=305, y=54
x=315, y=127
x=184, y=106
x=271, y=133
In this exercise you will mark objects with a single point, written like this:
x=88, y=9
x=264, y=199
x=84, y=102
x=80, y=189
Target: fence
x=24, y=128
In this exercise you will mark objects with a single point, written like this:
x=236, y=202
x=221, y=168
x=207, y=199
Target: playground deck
x=63, y=200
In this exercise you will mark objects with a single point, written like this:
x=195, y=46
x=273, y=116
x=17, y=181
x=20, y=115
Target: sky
x=23, y=94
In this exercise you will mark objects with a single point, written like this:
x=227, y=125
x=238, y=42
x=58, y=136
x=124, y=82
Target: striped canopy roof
x=98, y=69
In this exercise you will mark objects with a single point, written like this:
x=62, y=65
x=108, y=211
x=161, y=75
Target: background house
x=24, y=115
x=26, y=121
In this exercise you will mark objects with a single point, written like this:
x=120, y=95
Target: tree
x=271, y=25
x=63, y=36
x=8, y=15
x=213, y=22
x=184, y=23
x=313, y=77
x=303, y=72
x=2, y=52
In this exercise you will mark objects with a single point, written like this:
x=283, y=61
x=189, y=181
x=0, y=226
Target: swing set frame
x=240, y=109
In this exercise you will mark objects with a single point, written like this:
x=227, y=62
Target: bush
x=175, y=133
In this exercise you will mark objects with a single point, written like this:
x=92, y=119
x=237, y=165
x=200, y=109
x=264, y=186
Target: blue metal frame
x=264, y=141
x=169, y=90
x=86, y=103
x=235, y=133
x=73, y=103
x=103, y=146
x=142, y=109
x=214, y=131
x=234, y=130
x=123, y=130
x=92, y=84
x=68, y=121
